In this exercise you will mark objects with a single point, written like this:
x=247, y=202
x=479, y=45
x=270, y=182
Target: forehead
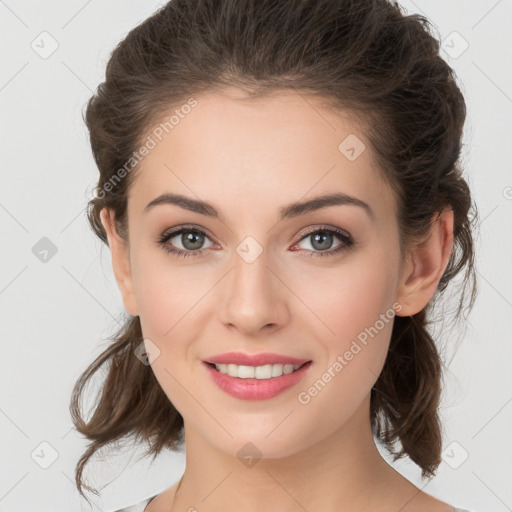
x=258, y=154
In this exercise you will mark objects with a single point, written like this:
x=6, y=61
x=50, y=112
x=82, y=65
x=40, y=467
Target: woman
x=281, y=193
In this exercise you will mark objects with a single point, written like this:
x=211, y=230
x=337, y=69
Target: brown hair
x=366, y=57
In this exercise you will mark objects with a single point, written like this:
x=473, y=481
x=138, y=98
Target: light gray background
x=55, y=315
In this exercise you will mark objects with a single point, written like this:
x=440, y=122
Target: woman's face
x=262, y=284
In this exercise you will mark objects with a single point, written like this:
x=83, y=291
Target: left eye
x=322, y=241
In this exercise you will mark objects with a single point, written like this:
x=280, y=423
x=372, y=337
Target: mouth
x=256, y=382
x=263, y=372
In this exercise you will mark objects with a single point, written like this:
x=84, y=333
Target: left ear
x=426, y=264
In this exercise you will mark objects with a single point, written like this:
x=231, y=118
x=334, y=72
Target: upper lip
x=254, y=359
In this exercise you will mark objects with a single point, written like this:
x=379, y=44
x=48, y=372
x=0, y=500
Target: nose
x=254, y=297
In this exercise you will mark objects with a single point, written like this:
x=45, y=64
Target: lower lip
x=256, y=389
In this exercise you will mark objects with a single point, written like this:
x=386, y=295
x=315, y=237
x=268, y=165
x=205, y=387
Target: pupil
x=193, y=237
x=322, y=235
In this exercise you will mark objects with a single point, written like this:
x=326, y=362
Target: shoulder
x=138, y=507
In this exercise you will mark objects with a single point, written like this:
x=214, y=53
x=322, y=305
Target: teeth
x=257, y=372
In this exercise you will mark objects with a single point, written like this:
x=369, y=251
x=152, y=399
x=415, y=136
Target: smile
x=267, y=371
x=256, y=382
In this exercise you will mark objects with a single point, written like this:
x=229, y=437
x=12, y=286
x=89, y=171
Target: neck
x=343, y=471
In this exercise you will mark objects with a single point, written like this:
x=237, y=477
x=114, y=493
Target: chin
x=257, y=442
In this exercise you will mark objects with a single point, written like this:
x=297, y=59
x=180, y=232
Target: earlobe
x=426, y=265
x=120, y=262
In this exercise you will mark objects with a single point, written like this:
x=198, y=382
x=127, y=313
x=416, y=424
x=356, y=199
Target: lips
x=240, y=358
x=256, y=389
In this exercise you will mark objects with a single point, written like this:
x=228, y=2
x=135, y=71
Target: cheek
x=348, y=299
x=168, y=300
x=354, y=320
x=167, y=296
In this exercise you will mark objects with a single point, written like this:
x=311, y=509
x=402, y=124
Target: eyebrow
x=286, y=212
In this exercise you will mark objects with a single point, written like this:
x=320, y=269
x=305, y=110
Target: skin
x=249, y=158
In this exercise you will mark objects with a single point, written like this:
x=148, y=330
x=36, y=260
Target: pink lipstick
x=267, y=370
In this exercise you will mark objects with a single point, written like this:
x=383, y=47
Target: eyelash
x=347, y=242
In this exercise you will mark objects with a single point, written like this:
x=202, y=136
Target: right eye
x=189, y=238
